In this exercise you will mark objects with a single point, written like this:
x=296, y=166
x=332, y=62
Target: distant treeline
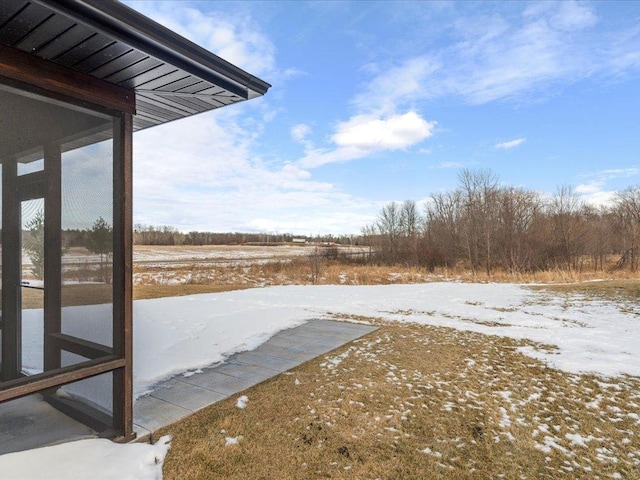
x=486, y=226
x=167, y=235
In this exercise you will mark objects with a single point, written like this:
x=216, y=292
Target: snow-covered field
x=173, y=254
x=182, y=334
x=227, y=254
x=173, y=335
x=177, y=334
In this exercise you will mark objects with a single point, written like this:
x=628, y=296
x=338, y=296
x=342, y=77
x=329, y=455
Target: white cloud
x=238, y=40
x=510, y=144
x=395, y=132
x=566, y=15
x=612, y=173
x=396, y=85
x=300, y=131
x=443, y=165
x=364, y=135
x=498, y=57
x=200, y=174
x=596, y=192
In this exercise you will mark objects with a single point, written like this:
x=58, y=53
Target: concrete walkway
x=180, y=396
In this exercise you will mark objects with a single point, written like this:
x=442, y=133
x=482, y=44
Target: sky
x=374, y=102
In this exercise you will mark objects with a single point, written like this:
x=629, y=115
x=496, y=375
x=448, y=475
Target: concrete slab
x=191, y=397
x=269, y=362
x=178, y=397
x=228, y=385
x=253, y=373
x=152, y=413
x=30, y=422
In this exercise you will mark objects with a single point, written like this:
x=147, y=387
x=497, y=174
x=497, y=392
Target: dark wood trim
x=27, y=68
x=122, y=268
x=53, y=255
x=79, y=346
x=11, y=273
x=22, y=387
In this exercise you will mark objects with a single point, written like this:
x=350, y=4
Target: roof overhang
x=172, y=77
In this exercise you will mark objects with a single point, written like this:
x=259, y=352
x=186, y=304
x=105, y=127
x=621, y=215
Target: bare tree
x=568, y=226
x=443, y=227
x=410, y=221
x=627, y=212
x=518, y=211
x=480, y=195
x=389, y=224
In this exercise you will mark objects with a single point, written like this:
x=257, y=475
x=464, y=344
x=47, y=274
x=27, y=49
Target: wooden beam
x=24, y=67
x=122, y=271
x=11, y=273
x=52, y=255
x=22, y=387
x=79, y=346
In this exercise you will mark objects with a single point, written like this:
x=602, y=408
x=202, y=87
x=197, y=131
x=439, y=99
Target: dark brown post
x=11, y=272
x=53, y=255
x=122, y=271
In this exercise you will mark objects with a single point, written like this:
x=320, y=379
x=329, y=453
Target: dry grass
x=95, y=294
x=305, y=271
x=610, y=289
x=412, y=401
x=141, y=292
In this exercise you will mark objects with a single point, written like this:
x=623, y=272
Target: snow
x=181, y=335
x=80, y=460
x=174, y=335
x=232, y=440
x=242, y=402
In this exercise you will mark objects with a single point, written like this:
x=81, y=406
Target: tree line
x=486, y=226
x=168, y=235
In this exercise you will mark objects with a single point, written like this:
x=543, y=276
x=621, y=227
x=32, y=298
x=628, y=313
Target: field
x=463, y=379
x=414, y=400
x=172, y=270
x=419, y=399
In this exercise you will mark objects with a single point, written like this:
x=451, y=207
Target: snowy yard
x=173, y=335
x=574, y=334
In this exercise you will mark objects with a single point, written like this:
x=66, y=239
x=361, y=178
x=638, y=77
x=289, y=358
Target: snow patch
x=97, y=459
x=242, y=402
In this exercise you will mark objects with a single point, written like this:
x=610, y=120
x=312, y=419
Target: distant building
x=299, y=240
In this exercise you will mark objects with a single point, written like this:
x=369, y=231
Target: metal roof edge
x=132, y=28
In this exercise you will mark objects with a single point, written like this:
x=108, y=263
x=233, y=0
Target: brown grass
x=415, y=402
x=610, y=289
x=141, y=292
x=304, y=271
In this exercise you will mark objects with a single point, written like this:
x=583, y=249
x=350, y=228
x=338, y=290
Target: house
x=77, y=78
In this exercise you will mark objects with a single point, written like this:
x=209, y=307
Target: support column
x=52, y=255
x=11, y=273
x=122, y=271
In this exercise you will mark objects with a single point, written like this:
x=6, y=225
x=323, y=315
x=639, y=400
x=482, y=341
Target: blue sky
x=380, y=101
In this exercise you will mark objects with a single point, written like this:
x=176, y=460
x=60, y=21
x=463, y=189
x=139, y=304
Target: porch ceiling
x=171, y=76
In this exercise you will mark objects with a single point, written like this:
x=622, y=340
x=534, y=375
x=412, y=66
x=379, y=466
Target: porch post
x=53, y=255
x=11, y=273
x=122, y=271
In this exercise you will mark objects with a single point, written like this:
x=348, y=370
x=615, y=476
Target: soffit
x=172, y=77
